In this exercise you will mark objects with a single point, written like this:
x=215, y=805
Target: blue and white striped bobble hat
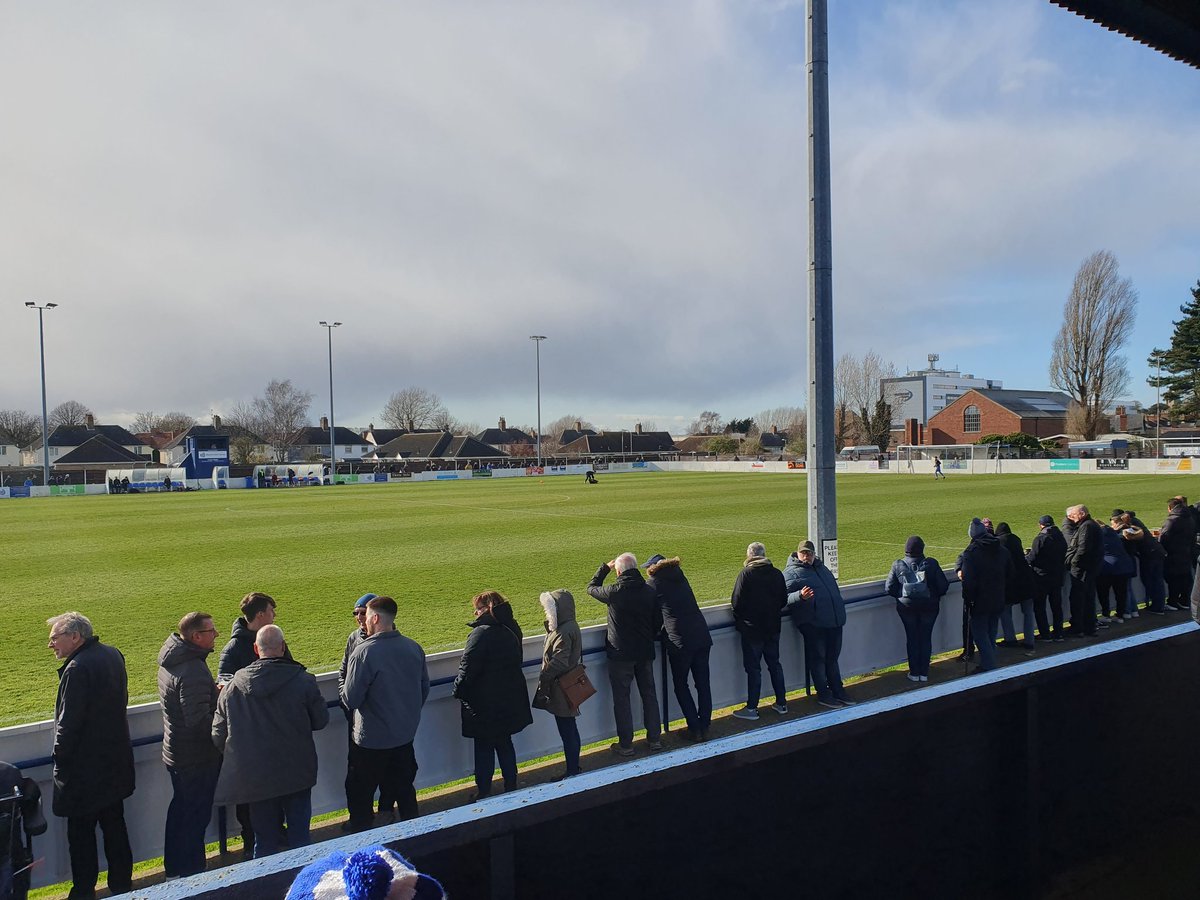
x=373, y=873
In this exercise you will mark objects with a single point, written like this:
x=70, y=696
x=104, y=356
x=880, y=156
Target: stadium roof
x=1168, y=26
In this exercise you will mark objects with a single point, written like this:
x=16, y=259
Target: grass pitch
x=135, y=564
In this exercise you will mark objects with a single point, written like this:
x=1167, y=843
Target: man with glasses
x=188, y=696
x=352, y=640
x=93, y=756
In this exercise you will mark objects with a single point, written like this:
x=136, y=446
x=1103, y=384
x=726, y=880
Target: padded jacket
x=633, y=617
x=188, y=696
x=490, y=686
x=826, y=609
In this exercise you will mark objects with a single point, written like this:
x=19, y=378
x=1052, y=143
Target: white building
x=923, y=392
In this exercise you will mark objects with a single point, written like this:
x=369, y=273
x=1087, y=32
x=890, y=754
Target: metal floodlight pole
x=537, y=354
x=1158, y=408
x=45, y=419
x=822, y=494
x=329, y=326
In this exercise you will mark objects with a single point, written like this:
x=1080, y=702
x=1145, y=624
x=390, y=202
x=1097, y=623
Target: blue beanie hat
x=363, y=600
x=976, y=529
x=373, y=873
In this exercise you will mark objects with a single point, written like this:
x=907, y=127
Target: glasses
x=208, y=631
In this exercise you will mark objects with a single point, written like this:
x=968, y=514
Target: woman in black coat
x=491, y=687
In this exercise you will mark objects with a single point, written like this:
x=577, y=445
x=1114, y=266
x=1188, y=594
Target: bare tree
x=443, y=420
x=709, y=422
x=412, y=408
x=276, y=416
x=23, y=427
x=790, y=420
x=860, y=409
x=68, y=414
x=1086, y=362
x=168, y=422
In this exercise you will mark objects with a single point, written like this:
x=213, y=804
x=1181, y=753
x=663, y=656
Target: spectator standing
x=561, y=652
x=633, y=622
x=93, y=756
x=491, y=690
x=359, y=612
x=1150, y=559
x=188, y=696
x=1020, y=592
x=758, y=598
x=264, y=725
x=985, y=569
x=815, y=604
x=1115, y=571
x=917, y=583
x=687, y=642
x=387, y=683
x=1046, y=557
x=1085, y=555
x=258, y=610
x=1178, y=539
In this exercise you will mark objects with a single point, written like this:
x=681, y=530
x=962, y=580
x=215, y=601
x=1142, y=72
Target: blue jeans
x=918, y=635
x=487, y=752
x=822, y=647
x=698, y=712
x=983, y=630
x=754, y=650
x=1006, y=621
x=268, y=817
x=188, y=817
x=568, y=730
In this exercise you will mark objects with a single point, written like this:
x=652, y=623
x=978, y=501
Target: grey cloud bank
x=199, y=185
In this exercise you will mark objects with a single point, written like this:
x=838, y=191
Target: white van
x=864, y=451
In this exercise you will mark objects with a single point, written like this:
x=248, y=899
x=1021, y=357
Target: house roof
x=498, y=437
x=315, y=436
x=1026, y=404
x=571, y=434
x=226, y=430
x=623, y=442
x=96, y=451
x=693, y=443
x=77, y=435
x=773, y=439
x=436, y=445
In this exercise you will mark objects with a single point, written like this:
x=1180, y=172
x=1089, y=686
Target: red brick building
x=978, y=412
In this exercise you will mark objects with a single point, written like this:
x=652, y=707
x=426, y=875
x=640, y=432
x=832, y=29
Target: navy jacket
x=826, y=609
x=1047, y=555
x=683, y=623
x=935, y=579
x=986, y=570
x=758, y=598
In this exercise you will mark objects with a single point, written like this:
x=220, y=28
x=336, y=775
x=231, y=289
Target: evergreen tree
x=1180, y=382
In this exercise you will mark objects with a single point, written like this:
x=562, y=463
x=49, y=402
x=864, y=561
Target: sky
x=198, y=185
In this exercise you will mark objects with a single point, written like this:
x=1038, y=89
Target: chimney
x=638, y=428
x=363, y=434
x=371, y=427
x=216, y=421
x=774, y=429
x=324, y=423
x=578, y=425
x=503, y=426
x=90, y=421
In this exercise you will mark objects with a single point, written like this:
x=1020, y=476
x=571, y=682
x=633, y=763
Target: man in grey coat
x=188, y=697
x=387, y=683
x=264, y=723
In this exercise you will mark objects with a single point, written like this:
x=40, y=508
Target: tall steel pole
x=537, y=353
x=822, y=496
x=1158, y=354
x=329, y=326
x=45, y=419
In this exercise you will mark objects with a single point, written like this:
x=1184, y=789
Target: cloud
x=197, y=186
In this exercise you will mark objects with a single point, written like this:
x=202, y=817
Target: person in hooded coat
x=1116, y=571
x=1020, y=591
x=561, y=652
x=491, y=688
x=687, y=642
x=917, y=604
x=985, y=568
x=1046, y=558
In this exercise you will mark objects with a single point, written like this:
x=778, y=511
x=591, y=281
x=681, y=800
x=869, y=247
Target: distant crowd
x=222, y=738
